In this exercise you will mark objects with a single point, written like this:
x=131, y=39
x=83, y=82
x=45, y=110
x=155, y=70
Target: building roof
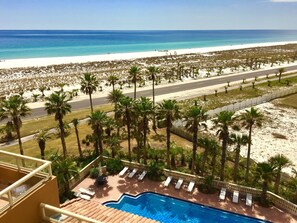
x=101, y=213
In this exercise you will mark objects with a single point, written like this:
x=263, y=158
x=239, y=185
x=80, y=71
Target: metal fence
x=252, y=102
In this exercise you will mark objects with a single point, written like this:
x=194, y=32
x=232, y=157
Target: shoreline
x=47, y=61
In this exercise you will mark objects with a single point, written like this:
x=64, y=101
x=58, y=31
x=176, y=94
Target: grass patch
x=289, y=101
x=237, y=95
x=31, y=126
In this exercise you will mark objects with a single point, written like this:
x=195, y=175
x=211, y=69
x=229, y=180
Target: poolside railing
x=35, y=172
x=54, y=214
x=275, y=199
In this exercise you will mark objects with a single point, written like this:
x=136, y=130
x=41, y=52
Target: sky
x=148, y=14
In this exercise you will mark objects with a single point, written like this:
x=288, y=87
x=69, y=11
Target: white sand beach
x=38, y=62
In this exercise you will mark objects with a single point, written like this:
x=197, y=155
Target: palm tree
x=153, y=72
x=15, y=108
x=75, y=123
x=58, y=104
x=265, y=173
x=175, y=151
x=280, y=72
x=209, y=146
x=41, y=138
x=213, y=149
x=144, y=110
x=113, y=79
x=64, y=169
x=194, y=116
x=125, y=104
x=279, y=161
x=114, y=144
x=249, y=119
x=114, y=97
x=89, y=85
x=223, y=120
x=134, y=73
x=97, y=120
x=238, y=140
x=168, y=111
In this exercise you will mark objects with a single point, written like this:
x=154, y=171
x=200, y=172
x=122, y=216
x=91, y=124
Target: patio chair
x=249, y=200
x=87, y=192
x=191, y=186
x=142, y=175
x=168, y=180
x=133, y=172
x=122, y=173
x=235, y=198
x=82, y=196
x=222, y=195
x=179, y=183
x=85, y=197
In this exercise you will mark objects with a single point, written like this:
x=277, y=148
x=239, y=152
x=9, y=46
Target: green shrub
x=94, y=172
x=114, y=166
x=154, y=171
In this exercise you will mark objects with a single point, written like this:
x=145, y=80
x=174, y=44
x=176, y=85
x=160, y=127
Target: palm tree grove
x=142, y=130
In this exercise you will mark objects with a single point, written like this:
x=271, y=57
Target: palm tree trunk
x=91, y=102
x=138, y=143
x=154, y=117
x=223, y=160
x=173, y=162
x=129, y=140
x=264, y=193
x=195, y=136
x=144, y=140
x=213, y=164
x=205, y=154
x=42, y=154
x=168, y=145
x=248, y=155
x=135, y=89
x=78, y=142
x=61, y=125
x=100, y=147
x=41, y=144
x=277, y=181
x=17, y=126
x=236, y=164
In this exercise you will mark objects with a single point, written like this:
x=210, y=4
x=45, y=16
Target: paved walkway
x=117, y=186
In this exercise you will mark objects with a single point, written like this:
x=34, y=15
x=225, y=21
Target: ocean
x=19, y=44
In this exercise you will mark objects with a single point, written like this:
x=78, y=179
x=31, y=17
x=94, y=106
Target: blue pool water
x=171, y=210
x=15, y=44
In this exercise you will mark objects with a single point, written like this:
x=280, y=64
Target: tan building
x=29, y=194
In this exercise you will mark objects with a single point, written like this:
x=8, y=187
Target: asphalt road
x=37, y=112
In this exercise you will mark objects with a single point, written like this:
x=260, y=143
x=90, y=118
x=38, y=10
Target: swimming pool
x=171, y=210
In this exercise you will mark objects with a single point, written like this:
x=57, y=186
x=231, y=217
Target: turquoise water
x=15, y=44
x=171, y=210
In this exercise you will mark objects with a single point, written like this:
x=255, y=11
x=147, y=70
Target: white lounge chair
x=179, y=183
x=249, y=200
x=122, y=173
x=142, y=175
x=85, y=197
x=222, y=195
x=168, y=180
x=132, y=173
x=191, y=186
x=235, y=198
x=87, y=192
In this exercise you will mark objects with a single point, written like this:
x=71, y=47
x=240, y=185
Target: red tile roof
x=101, y=213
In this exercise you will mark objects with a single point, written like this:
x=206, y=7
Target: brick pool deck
x=116, y=186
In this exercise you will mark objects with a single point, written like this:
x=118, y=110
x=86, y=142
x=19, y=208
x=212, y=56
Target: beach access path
x=168, y=89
